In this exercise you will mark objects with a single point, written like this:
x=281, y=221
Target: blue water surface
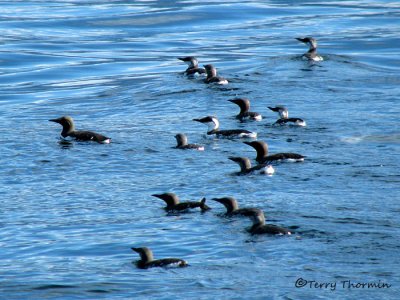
x=71, y=211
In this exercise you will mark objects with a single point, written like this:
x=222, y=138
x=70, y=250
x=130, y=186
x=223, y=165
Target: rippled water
x=70, y=212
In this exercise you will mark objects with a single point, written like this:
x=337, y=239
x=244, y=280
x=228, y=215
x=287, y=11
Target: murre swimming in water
x=246, y=168
x=213, y=128
x=244, y=113
x=193, y=65
x=284, y=117
x=212, y=76
x=232, y=207
x=311, y=54
x=173, y=203
x=259, y=226
x=69, y=131
x=182, y=143
x=263, y=157
x=147, y=261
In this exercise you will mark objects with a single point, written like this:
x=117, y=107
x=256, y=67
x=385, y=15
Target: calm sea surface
x=70, y=212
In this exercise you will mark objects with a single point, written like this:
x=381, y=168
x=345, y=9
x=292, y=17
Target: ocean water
x=71, y=211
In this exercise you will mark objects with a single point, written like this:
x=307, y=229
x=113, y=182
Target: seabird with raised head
x=263, y=158
x=284, y=117
x=311, y=54
x=174, y=204
x=259, y=226
x=147, y=261
x=69, y=131
x=212, y=76
x=244, y=105
x=246, y=168
x=213, y=129
x=193, y=65
x=232, y=207
x=182, y=143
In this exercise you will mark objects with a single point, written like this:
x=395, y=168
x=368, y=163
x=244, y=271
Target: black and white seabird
x=259, y=226
x=212, y=76
x=173, y=203
x=232, y=207
x=244, y=113
x=147, y=261
x=193, y=65
x=263, y=157
x=69, y=131
x=284, y=117
x=213, y=128
x=246, y=168
x=182, y=143
x=311, y=54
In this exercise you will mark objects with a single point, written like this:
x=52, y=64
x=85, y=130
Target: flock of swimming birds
x=263, y=160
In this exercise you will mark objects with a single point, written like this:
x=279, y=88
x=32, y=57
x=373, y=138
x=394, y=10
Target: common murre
x=212, y=76
x=244, y=113
x=311, y=54
x=193, y=65
x=213, y=128
x=263, y=157
x=182, y=143
x=259, y=226
x=284, y=117
x=232, y=207
x=246, y=168
x=173, y=203
x=69, y=131
x=147, y=261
